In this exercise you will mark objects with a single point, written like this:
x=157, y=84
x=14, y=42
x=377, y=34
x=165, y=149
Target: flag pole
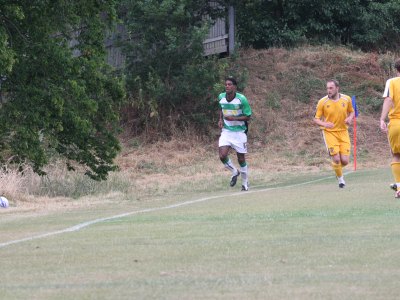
x=353, y=101
x=355, y=142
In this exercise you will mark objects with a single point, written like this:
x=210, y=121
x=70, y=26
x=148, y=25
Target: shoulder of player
x=394, y=80
x=345, y=97
x=221, y=96
x=323, y=100
x=389, y=84
x=241, y=97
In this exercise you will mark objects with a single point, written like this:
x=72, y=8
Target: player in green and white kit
x=235, y=111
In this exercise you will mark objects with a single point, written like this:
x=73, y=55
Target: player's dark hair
x=231, y=79
x=397, y=65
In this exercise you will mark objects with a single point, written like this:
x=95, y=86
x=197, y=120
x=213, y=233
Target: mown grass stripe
x=92, y=222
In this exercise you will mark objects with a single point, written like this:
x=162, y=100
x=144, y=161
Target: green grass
x=311, y=241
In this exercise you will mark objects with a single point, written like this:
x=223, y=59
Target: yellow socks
x=338, y=169
x=396, y=172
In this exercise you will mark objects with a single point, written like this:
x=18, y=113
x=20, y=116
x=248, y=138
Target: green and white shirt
x=239, y=106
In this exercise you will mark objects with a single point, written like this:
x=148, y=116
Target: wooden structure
x=220, y=40
x=217, y=39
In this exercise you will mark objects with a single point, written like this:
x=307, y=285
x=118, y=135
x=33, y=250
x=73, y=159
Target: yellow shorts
x=337, y=142
x=394, y=136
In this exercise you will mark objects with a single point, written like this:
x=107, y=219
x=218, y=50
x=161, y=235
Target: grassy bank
x=283, y=88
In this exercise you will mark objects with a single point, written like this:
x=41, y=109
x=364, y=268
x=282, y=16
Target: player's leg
x=395, y=166
x=344, y=147
x=333, y=146
x=239, y=143
x=344, y=154
x=243, y=171
x=393, y=137
x=344, y=159
x=337, y=168
x=223, y=156
x=225, y=145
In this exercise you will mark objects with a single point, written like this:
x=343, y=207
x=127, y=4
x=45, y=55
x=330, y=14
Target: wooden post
x=231, y=13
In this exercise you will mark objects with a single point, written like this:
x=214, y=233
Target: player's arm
x=350, y=113
x=318, y=119
x=237, y=118
x=220, y=121
x=322, y=123
x=387, y=105
x=349, y=118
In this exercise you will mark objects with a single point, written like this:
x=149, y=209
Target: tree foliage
x=170, y=81
x=58, y=95
x=370, y=25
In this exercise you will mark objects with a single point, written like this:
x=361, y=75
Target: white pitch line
x=88, y=223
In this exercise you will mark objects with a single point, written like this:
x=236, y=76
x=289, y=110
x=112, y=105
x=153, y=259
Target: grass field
x=301, y=239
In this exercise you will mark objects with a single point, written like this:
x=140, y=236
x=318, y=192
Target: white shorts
x=236, y=140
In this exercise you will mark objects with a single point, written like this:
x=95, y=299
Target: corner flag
x=353, y=101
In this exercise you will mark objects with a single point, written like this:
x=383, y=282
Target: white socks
x=230, y=166
x=244, y=172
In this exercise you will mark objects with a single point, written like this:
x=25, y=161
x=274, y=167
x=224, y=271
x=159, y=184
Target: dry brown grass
x=290, y=127
x=18, y=188
x=11, y=184
x=282, y=136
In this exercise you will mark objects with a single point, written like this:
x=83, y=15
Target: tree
x=369, y=25
x=170, y=82
x=59, y=97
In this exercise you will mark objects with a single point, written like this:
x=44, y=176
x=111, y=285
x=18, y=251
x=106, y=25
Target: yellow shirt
x=392, y=90
x=334, y=111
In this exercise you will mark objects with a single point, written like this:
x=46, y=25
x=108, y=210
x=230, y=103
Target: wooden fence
x=217, y=39
x=217, y=42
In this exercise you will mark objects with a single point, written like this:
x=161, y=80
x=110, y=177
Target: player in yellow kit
x=334, y=113
x=391, y=108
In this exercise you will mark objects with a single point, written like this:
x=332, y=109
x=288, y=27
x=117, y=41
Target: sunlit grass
x=310, y=241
